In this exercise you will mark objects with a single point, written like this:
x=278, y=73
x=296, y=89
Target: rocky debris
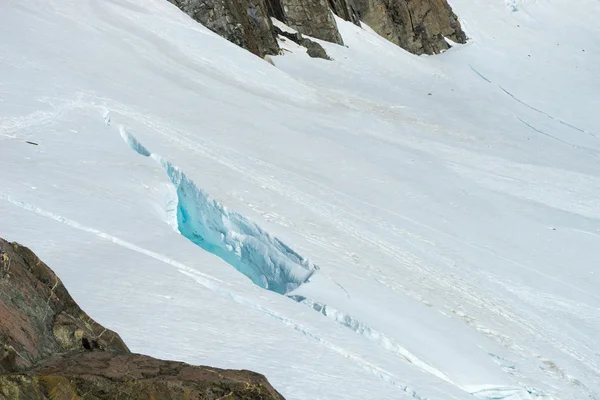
x=313, y=49
x=418, y=26
x=313, y=18
x=51, y=349
x=243, y=22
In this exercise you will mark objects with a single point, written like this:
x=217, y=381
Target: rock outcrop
x=102, y=376
x=243, y=22
x=247, y=22
x=51, y=349
x=38, y=317
x=418, y=26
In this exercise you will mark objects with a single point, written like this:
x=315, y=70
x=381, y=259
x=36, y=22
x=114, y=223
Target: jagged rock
x=51, y=349
x=313, y=18
x=313, y=49
x=243, y=22
x=418, y=26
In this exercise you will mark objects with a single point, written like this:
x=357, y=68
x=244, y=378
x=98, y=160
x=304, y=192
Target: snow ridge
x=266, y=260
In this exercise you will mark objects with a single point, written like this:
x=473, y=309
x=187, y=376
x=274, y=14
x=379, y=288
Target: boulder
x=50, y=349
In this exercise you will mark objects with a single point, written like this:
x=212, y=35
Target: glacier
x=450, y=202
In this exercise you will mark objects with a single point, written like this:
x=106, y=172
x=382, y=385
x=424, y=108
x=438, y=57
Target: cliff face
x=51, y=349
x=418, y=26
x=243, y=22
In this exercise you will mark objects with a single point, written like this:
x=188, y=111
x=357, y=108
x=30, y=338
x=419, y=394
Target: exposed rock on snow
x=420, y=26
x=313, y=49
x=38, y=317
x=417, y=26
x=243, y=22
x=52, y=349
x=313, y=18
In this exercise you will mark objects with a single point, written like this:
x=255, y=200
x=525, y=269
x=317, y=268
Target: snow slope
x=379, y=226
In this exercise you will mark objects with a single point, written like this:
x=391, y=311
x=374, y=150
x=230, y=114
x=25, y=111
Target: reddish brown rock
x=51, y=350
x=101, y=375
x=38, y=317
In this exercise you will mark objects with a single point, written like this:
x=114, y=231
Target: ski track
x=479, y=74
x=546, y=114
x=560, y=121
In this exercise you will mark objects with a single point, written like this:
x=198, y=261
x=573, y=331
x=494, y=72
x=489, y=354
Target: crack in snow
x=485, y=392
x=371, y=334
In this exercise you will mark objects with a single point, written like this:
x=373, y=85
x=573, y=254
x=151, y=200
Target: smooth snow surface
x=451, y=202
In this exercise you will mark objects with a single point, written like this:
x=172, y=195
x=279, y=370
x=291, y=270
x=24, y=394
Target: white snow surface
x=442, y=211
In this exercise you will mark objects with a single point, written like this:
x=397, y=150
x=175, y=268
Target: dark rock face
x=51, y=349
x=345, y=10
x=243, y=22
x=418, y=26
x=313, y=18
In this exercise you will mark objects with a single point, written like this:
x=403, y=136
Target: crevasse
x=263, y=258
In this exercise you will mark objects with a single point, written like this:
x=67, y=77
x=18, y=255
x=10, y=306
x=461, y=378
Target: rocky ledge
x=51, y=349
